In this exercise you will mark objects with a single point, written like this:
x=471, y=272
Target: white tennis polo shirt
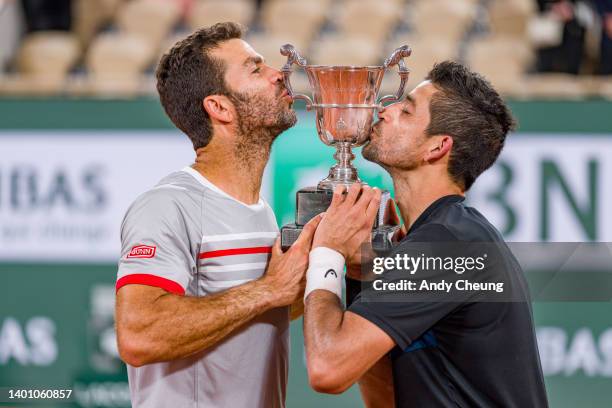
x=190, y=238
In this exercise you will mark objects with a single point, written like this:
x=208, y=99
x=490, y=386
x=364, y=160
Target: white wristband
x=325, y=271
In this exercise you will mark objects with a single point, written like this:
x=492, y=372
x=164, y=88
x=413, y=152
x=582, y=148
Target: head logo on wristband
x=331, y=272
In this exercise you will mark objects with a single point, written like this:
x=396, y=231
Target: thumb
x=391, y=216
x=305, y=238
x=276, y=248
x=399, y=234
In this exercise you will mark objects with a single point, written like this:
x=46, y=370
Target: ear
x=219, y=108
x=440, y=146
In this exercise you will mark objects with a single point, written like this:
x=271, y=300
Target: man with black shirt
x=433, y=352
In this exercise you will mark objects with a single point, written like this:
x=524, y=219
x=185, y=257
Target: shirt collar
x=205, y=182
x=439, y=203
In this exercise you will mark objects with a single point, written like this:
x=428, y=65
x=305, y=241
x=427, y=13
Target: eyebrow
x=410, y=100
x=253, y=60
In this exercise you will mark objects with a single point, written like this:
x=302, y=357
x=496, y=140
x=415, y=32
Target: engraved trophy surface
x=345, y=99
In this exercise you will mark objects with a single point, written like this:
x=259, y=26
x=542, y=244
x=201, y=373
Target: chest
x=235, y=248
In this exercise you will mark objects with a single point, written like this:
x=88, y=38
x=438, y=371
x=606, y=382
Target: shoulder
x=465, y=223
x=172, y=195
x=431, y=232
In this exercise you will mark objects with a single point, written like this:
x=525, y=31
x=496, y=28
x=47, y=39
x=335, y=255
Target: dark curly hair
x=188, y=73
x=467, y=108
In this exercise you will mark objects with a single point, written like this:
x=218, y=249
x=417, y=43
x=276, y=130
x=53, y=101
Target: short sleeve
x=405, y=318
x=156, y=248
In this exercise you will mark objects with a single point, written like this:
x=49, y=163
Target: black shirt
x=460, y=352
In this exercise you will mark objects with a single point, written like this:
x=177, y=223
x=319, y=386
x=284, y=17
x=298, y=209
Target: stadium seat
x=48, y=54
x=31, y=85
x=90, y=15
x=150, y=19
x=343, y=50
x=295, y=18
x=504, y=52
x=556, y=86
x=447, y=19
x=116, y=62
x=425, y=52
x=502, y=60
x=604, y=87
x=369, y=18
x=544, y=30
x=205, y=13
x=169, y=42
x=510, y=17
x=593, y=84
x=269, y=47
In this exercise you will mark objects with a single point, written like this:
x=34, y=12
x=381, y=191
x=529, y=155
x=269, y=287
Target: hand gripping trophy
x=345, y=100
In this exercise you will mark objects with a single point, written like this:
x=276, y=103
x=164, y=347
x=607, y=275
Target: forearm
x=173, y=327
x=333, y=338
x=376, y=384
x=323, y=314
x=327, y=354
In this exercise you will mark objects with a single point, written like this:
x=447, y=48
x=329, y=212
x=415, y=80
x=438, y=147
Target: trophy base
x=311, y=201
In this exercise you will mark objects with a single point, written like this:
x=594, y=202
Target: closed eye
x=256, y=70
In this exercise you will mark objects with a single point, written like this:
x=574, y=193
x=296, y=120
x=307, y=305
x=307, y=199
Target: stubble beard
x=260, y=121
x=370, y=152
x=388, y=160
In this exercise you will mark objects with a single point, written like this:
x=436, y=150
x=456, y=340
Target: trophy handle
x=397, y=58
x=293, y=57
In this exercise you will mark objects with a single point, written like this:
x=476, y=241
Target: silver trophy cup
x=345, y=99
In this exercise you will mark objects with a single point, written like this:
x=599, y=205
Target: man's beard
x=370, y=152
x=260, y=120
x=375, y=152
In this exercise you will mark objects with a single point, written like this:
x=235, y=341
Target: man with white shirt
x=204, y=290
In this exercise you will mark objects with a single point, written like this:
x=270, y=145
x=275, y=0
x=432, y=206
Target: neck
x=237, y=170
x=417, y=190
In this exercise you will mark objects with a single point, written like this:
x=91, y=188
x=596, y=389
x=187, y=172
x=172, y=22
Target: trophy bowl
x=345, y=99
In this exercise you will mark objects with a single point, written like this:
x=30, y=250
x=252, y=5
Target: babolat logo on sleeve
x=142, y=251
x=331, y=272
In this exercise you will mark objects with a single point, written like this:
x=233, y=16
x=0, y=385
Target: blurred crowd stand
x=109, y=48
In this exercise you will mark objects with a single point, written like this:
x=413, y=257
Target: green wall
x=593, y=116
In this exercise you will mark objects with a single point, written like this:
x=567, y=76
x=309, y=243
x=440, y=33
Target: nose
x=382, y=114
x=276, y=77
x=390, y=111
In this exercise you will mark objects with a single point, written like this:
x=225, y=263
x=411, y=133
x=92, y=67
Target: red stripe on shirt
x=236, y=251
x=150, y=280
